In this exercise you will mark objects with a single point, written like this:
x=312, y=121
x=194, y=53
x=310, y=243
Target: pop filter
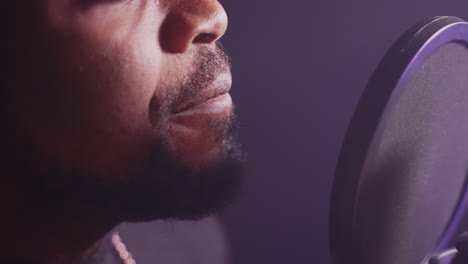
x=399, y=190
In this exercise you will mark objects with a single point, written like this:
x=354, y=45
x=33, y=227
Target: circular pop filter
x=399, y=189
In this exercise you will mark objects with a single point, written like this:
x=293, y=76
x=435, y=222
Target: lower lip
x=215, y=106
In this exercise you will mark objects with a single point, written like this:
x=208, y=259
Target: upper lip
x=221, y=85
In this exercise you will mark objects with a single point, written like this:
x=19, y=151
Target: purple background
x=299, y=69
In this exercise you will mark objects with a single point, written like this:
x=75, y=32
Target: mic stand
x=457, y=255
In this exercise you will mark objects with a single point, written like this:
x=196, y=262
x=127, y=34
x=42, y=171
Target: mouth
x=211, y=101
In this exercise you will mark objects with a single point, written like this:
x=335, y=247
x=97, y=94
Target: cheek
x=114, y=119
x=93, y=111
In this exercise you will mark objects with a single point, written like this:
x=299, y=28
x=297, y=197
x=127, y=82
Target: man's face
x=121, y=100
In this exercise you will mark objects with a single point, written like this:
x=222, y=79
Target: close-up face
x=121, y=97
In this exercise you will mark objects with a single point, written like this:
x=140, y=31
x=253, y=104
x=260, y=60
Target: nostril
x=204, y=38
x=190, y=24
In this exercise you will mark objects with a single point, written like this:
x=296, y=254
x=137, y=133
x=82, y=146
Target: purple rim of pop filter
x=395, y=71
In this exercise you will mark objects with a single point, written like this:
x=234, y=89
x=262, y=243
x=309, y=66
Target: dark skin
x=93, y=86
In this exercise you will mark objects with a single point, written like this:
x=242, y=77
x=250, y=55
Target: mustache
x=209, y=64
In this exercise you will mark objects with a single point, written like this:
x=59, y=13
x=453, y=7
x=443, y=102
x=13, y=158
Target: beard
x=164, y=188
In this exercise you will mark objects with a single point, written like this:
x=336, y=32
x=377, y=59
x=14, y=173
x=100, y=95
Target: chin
x=201, y=144
x=188, y=181
x=177, y=191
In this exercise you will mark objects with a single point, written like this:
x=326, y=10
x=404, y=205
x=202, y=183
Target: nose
x=192, y=22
